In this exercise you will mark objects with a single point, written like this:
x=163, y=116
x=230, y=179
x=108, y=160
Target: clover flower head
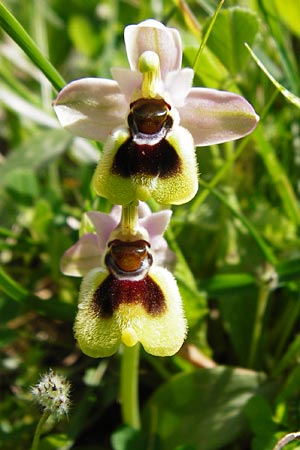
x=126, y=295
x=52, y=394
x=151, y=118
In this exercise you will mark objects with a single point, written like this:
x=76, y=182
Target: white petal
x=156, y=223
x=178, y=85
x=128, y=80
x=104, y=225
x=214, y=116
x=83, y=256
x=154, y=36
x=91, y=107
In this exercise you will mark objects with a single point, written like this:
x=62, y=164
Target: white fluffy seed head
x=52, y=393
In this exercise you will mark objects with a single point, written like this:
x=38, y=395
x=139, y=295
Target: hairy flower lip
x=101, y=324
x=94, y=107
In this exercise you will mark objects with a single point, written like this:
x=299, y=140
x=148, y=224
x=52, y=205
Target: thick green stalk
x=129, y=386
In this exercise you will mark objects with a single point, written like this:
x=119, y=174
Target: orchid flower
x=151, y=118
x=126, y=295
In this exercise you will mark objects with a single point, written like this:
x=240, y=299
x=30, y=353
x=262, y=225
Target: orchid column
x=150, y=118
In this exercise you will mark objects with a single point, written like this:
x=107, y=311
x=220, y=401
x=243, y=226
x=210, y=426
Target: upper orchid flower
x=151, y=118
x=126, y=296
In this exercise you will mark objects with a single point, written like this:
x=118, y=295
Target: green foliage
x=237, y=243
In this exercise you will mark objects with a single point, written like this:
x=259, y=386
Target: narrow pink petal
x=83, y=256
x=128, y=80
x=153, y=35
x=91, y=107
x=178, y=85
x=143, y=210
x=214, y=116
x=104, y=225
x=156, y=223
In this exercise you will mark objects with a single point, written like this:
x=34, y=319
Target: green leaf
x=233, y=27
x=259, y=414
x=83, y=36
x=22, y=183
x=289, y=12
x=210, y=71
x=56, y=442
x=126, y=438
x=201, y=409
x=38, y=151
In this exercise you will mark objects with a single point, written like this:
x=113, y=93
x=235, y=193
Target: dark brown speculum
x=149, y=116
x=113, y=292
x=128, y=259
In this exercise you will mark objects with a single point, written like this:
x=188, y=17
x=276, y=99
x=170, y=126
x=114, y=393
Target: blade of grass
x=206, y=36
x=265, y=249
x=278, y=176
x=15, y=30
x=13, y=289
x=285, y=92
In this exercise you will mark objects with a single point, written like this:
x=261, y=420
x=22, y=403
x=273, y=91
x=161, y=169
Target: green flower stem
x=129, y=218
x=262, y=302
x=129, y=386
x=15, y=30
x=38, y=430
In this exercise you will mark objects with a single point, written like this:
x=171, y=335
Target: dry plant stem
x=38, y=430
x=129, y=386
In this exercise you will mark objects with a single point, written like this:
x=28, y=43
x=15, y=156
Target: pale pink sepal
x=178, y=85
x=214, y=116
x=156, y=223
x=83, y=256
x=91, y=107
x=128, y=81
x=104, y=225
x=154, y=36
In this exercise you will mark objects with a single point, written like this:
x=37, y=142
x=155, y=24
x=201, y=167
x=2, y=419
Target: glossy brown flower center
x=128, y=259
x=149, y=116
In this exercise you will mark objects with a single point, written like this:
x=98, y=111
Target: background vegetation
x=236, y=383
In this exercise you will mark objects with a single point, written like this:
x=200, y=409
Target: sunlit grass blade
x=285, y=92
x=15, y=30
x=206, y=35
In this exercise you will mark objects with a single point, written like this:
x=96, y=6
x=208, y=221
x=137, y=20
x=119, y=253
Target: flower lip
x=128, y=260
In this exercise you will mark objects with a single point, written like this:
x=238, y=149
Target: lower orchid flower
x=151, y=119
x=126, y=295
